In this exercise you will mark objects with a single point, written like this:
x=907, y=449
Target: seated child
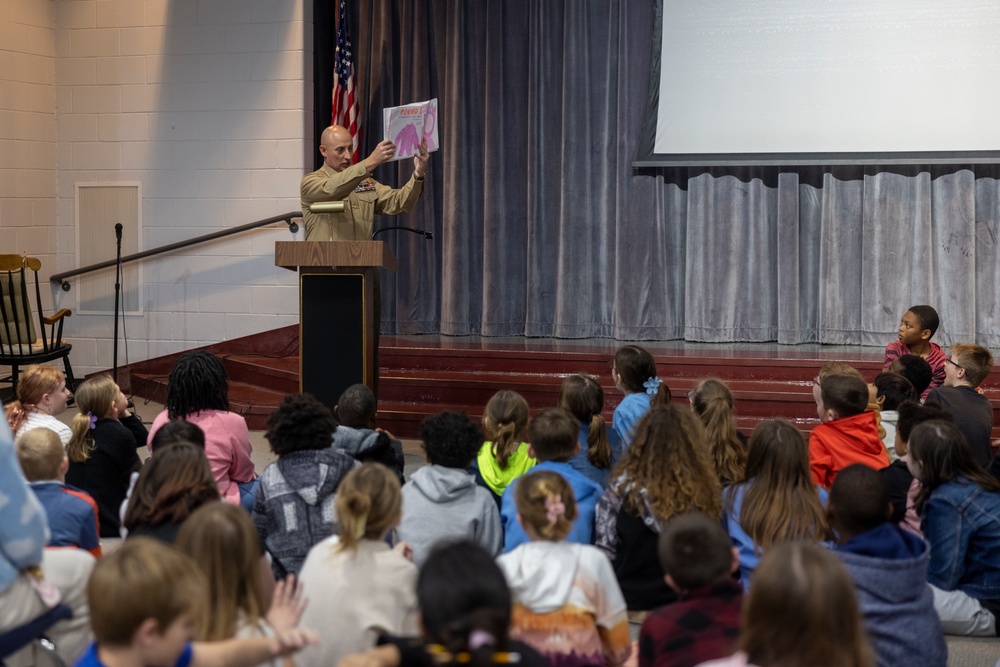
x=704, y=623
x=778, y=501
x=843, y=368
x=903, y=488
x=175, y=482
x=553, y=434
x=243, y=599
x=891, y=389
x=465, y=616
x=357, y=586
x=889, y=568
x=176, y=430
x=802, y=610
x=916, y=370
x=102, y=451
x=599, y=445
x=42, y=395
x=442, y=500
x=72, y=513
x=916, y=328
x=965, y=370
x=633, y=371
x=848, y=434
x=293, y=509
x=144, y=599
x=666, y=471
x=712, y=401
x=198, y=392
x=503, y=457
x=356, y=433
x=959, y=507
x=567, y=603
x=25, y=563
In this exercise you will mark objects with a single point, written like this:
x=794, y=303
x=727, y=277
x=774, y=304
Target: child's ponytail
x=583, y=397
x=81, y=443
x=713, y=402
x=368, y=504
x=94, y=398
x=504, y=419
x=546, y=504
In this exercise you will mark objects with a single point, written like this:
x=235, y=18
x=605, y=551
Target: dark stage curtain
x=543, y=228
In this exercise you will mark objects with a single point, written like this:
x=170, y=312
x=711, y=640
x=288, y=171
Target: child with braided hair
x=567, y=603
x=198, y=392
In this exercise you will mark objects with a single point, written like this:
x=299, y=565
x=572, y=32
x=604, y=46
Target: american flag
x=345, y=104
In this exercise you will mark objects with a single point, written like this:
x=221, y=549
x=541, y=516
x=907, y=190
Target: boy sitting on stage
x=916, y=328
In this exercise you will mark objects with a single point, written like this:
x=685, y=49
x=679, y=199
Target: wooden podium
x=337, y=311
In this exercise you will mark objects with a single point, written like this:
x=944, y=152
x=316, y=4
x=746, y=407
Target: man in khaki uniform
x=339, y=180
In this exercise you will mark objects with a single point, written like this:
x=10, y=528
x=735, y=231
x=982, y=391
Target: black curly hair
x=299, y=423
x=197, y=382
x=451, y=439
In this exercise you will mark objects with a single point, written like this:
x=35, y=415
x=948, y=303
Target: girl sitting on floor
x=634, y=373
x=503, y=457
x=567, y=603
x=779, y=501
x=102, y=451
x=41, y=397
x=600, y=447
x=198, y=392
x=712, y=401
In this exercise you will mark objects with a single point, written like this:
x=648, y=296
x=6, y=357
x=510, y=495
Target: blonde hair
x=583, y=397
x=667, y=466
x=142, y=579
x=94, y=398
x=802, y=610
x=505, y=417
x=546, y=503
x=780, y=502
x=713, y=403
x=838, y=368
x=40, y=452
x=32, y=384
x=222, y=539
x=368, y=504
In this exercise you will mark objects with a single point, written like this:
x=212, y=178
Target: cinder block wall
x=28, y=128
x=207, y=103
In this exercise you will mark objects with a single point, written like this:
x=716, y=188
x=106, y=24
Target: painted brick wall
x=208, y=104
x=28, y=128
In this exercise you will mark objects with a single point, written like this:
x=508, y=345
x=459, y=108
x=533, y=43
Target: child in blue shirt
x=72, y=513
x=552, y=435
x=634, y=374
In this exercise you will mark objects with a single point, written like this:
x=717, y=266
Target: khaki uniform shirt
x=365, y=197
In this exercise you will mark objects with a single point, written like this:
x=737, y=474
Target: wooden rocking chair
x=21, y=342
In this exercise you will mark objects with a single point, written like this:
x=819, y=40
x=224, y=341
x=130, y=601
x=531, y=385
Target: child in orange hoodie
x=848, y=434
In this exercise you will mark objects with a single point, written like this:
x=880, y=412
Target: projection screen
x=824, y=82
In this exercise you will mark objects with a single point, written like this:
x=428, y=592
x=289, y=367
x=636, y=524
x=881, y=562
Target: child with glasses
x=965, y=369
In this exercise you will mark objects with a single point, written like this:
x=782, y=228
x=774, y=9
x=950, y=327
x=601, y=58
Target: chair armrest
x=64, y=312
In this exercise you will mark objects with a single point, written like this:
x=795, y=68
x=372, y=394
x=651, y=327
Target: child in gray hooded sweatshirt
x=442, y=501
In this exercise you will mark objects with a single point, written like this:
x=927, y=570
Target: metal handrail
x=288, y=218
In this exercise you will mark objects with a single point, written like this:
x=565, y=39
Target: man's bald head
x=336, y=146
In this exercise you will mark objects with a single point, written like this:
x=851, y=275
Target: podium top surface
x=295, y=254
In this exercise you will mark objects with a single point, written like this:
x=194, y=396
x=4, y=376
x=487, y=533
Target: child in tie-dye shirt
x=567, y=603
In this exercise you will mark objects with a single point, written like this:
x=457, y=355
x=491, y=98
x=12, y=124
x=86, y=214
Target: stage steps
x=419, y=379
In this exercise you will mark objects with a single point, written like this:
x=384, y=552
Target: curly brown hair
x=668, y=466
